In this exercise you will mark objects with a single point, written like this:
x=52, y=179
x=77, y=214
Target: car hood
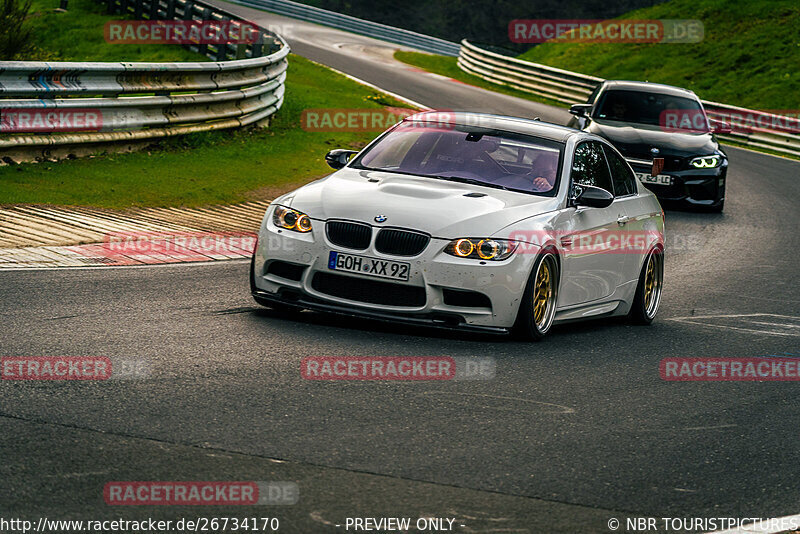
x=440, y=208
x=636, y=140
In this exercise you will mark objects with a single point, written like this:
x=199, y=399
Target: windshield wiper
x=471, y=181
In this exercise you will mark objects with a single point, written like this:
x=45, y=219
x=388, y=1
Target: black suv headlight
x=291, y=220
x=706, y=162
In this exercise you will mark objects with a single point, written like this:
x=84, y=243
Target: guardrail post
x=154, y=6
x=137, y=9
x=203, y=48
x=222, y=48
x=188, y=7
x=258, y=47
x=170, y=10
x=111, y=6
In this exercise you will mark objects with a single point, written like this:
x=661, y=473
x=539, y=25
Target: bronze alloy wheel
x=653, y=282
x=543, y=299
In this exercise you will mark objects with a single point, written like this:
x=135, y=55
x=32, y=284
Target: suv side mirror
x=719, y=127
x=593, y=197
x=338, y=157
x=581, y=110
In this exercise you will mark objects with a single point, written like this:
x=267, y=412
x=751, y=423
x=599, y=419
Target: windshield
x=473, y=155
x=648, y=108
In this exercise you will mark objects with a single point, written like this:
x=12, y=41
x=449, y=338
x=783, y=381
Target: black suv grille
x=370, y=291
x=400, y=243
x=349, y=235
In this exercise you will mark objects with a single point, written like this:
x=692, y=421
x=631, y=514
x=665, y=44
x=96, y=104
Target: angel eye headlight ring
x=487, y=249
x=463, y=247
x=290, y=219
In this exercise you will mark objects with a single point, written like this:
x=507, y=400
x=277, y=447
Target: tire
x=538, y=307
x=647, y=299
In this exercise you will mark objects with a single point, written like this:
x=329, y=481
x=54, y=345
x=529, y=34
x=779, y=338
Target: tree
x=15, y=36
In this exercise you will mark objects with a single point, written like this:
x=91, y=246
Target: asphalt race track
x=572, y=431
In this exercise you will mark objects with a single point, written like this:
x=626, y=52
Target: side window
x=621, y=174
x=589, y=166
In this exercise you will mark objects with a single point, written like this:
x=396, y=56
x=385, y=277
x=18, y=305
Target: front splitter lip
x=313, y=304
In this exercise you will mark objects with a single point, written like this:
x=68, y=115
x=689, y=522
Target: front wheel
x=648, y=291
x=538, y=307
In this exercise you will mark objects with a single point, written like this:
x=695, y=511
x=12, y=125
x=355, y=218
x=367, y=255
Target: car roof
x=533, y=127
x=648, y=87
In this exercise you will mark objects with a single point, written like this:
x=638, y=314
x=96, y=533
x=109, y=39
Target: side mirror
x=719, y=127
x=593, y=197
x=581, y=110
x=338, y=157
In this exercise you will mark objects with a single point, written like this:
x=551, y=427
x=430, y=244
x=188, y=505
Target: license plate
x=394, y=270
x=661, y=179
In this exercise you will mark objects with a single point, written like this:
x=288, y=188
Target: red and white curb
x=41, y=237
x=130, y=250
x=38, y=226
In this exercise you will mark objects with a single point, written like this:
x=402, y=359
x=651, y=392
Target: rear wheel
x=648, y=291
x=538, y=307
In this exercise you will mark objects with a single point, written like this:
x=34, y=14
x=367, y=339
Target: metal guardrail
x=354, y=25
x=556, y=84
x=139, y=101
x=572, y=88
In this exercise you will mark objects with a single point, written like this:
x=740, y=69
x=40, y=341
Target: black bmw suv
x=649, y=120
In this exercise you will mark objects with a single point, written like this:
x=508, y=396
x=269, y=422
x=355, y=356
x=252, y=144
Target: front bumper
x=292, y=268
x=692, y=187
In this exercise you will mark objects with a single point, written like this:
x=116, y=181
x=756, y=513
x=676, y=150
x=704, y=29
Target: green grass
x=199, y=169
x=446, y=66
x=77, y=35
x=749, y=57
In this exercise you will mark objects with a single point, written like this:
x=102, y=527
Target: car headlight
x=706, y=162
x=291, y=220
x=481, y=248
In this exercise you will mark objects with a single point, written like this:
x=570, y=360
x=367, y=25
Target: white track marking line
x=696, y=319
x=735, y=315
x=777, y=324
x=752, y=331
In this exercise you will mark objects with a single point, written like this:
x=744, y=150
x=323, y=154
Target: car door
x=591, y=272
x=631, y=233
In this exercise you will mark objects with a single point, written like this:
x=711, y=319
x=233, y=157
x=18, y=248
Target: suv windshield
x=473, y=155
x=647, y=108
